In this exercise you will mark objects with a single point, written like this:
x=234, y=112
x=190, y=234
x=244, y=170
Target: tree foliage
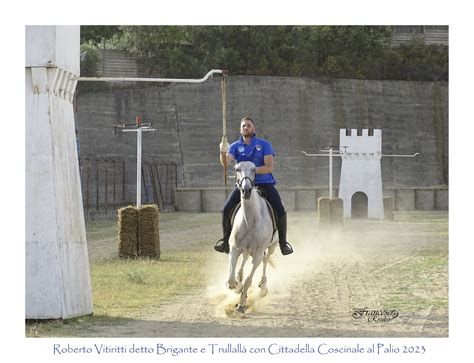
x=362, y=52
x=95, y=34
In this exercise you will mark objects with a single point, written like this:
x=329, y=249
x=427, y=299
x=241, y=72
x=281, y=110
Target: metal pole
x=401, y=156
x=106, y=184
x=160, y=188
x=173, y=190
x=330, y=165
x=168, y=184
x=115, y=181
x=139, y=128
x=164, y=80
x=97, y=184
x=139, y=166
x=123, y=181
x=339, y=154
x=87, y=182
x=330, y=173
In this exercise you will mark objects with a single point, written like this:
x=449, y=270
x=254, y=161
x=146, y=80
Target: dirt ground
x=399, y=265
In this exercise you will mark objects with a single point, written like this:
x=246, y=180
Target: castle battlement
x=361, y=141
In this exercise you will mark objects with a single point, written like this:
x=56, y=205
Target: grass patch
x=414, y=283
x=136, y=277
x=132, y=289
x=107, y=229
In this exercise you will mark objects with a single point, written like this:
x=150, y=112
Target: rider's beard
x=246, y=133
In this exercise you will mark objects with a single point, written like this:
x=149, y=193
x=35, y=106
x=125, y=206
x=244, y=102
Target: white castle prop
x=361, y=175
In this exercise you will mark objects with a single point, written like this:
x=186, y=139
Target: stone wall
x=306, y=199
x=295, y=114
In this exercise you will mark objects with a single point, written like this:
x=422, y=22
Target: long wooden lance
x=224, y=120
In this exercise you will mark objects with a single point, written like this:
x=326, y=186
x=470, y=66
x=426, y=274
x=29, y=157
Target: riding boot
x=285, y=247
x=223, y=244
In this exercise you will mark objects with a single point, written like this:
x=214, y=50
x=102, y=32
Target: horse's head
x=245, y=175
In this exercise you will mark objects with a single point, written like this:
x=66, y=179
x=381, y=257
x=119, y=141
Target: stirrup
x=222, y=247
x=286, y=248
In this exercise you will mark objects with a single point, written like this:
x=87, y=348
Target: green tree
x=362, y=52
x=94, y=34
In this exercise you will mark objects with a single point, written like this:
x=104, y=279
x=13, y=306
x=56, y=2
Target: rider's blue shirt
x=255, y=153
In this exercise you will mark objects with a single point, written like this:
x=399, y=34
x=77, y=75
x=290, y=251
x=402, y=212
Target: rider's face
x=247, y=128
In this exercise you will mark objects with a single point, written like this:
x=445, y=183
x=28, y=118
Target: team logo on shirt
x=258, y=147
x=241, y=149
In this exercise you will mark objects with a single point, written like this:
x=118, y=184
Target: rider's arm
x=267, y=167
x=224, y=156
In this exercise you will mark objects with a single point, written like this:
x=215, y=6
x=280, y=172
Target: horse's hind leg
x=263, y=281
x=240, y=275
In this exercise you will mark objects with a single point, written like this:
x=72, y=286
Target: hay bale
x=388, y=206
x=127, y=234
x=337, y=212
x=324, y=212
x=148, y=231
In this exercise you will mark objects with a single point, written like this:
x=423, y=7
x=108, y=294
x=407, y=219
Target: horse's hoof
x=231, y=285
x=263, y=292
x=240, y=309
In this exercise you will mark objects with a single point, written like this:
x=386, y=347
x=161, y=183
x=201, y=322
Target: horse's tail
x=271, y=258
x=272, y=261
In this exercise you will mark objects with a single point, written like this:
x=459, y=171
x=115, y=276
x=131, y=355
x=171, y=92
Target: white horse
x=252, y=235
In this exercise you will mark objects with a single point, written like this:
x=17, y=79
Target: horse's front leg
x=248, y=281
x=233, y=256
x=240, y=274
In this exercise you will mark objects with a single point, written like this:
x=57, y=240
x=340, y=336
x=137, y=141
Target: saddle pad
x=270, y=210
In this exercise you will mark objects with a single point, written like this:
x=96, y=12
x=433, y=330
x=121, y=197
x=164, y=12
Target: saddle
x=272, y=212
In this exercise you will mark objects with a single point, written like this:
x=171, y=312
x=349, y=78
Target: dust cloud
x=313, y=248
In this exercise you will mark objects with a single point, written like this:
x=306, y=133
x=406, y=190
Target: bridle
x=239, y=182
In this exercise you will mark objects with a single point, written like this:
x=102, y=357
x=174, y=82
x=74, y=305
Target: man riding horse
x=260, y=152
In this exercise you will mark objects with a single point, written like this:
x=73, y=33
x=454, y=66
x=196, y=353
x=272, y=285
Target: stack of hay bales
x=128, y=232
x=148, y=231
x=324, y=211
x=337, y=212
x=138, y=234
x=330, y=212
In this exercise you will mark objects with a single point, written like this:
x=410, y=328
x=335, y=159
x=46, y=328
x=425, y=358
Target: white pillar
x=57, y=266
